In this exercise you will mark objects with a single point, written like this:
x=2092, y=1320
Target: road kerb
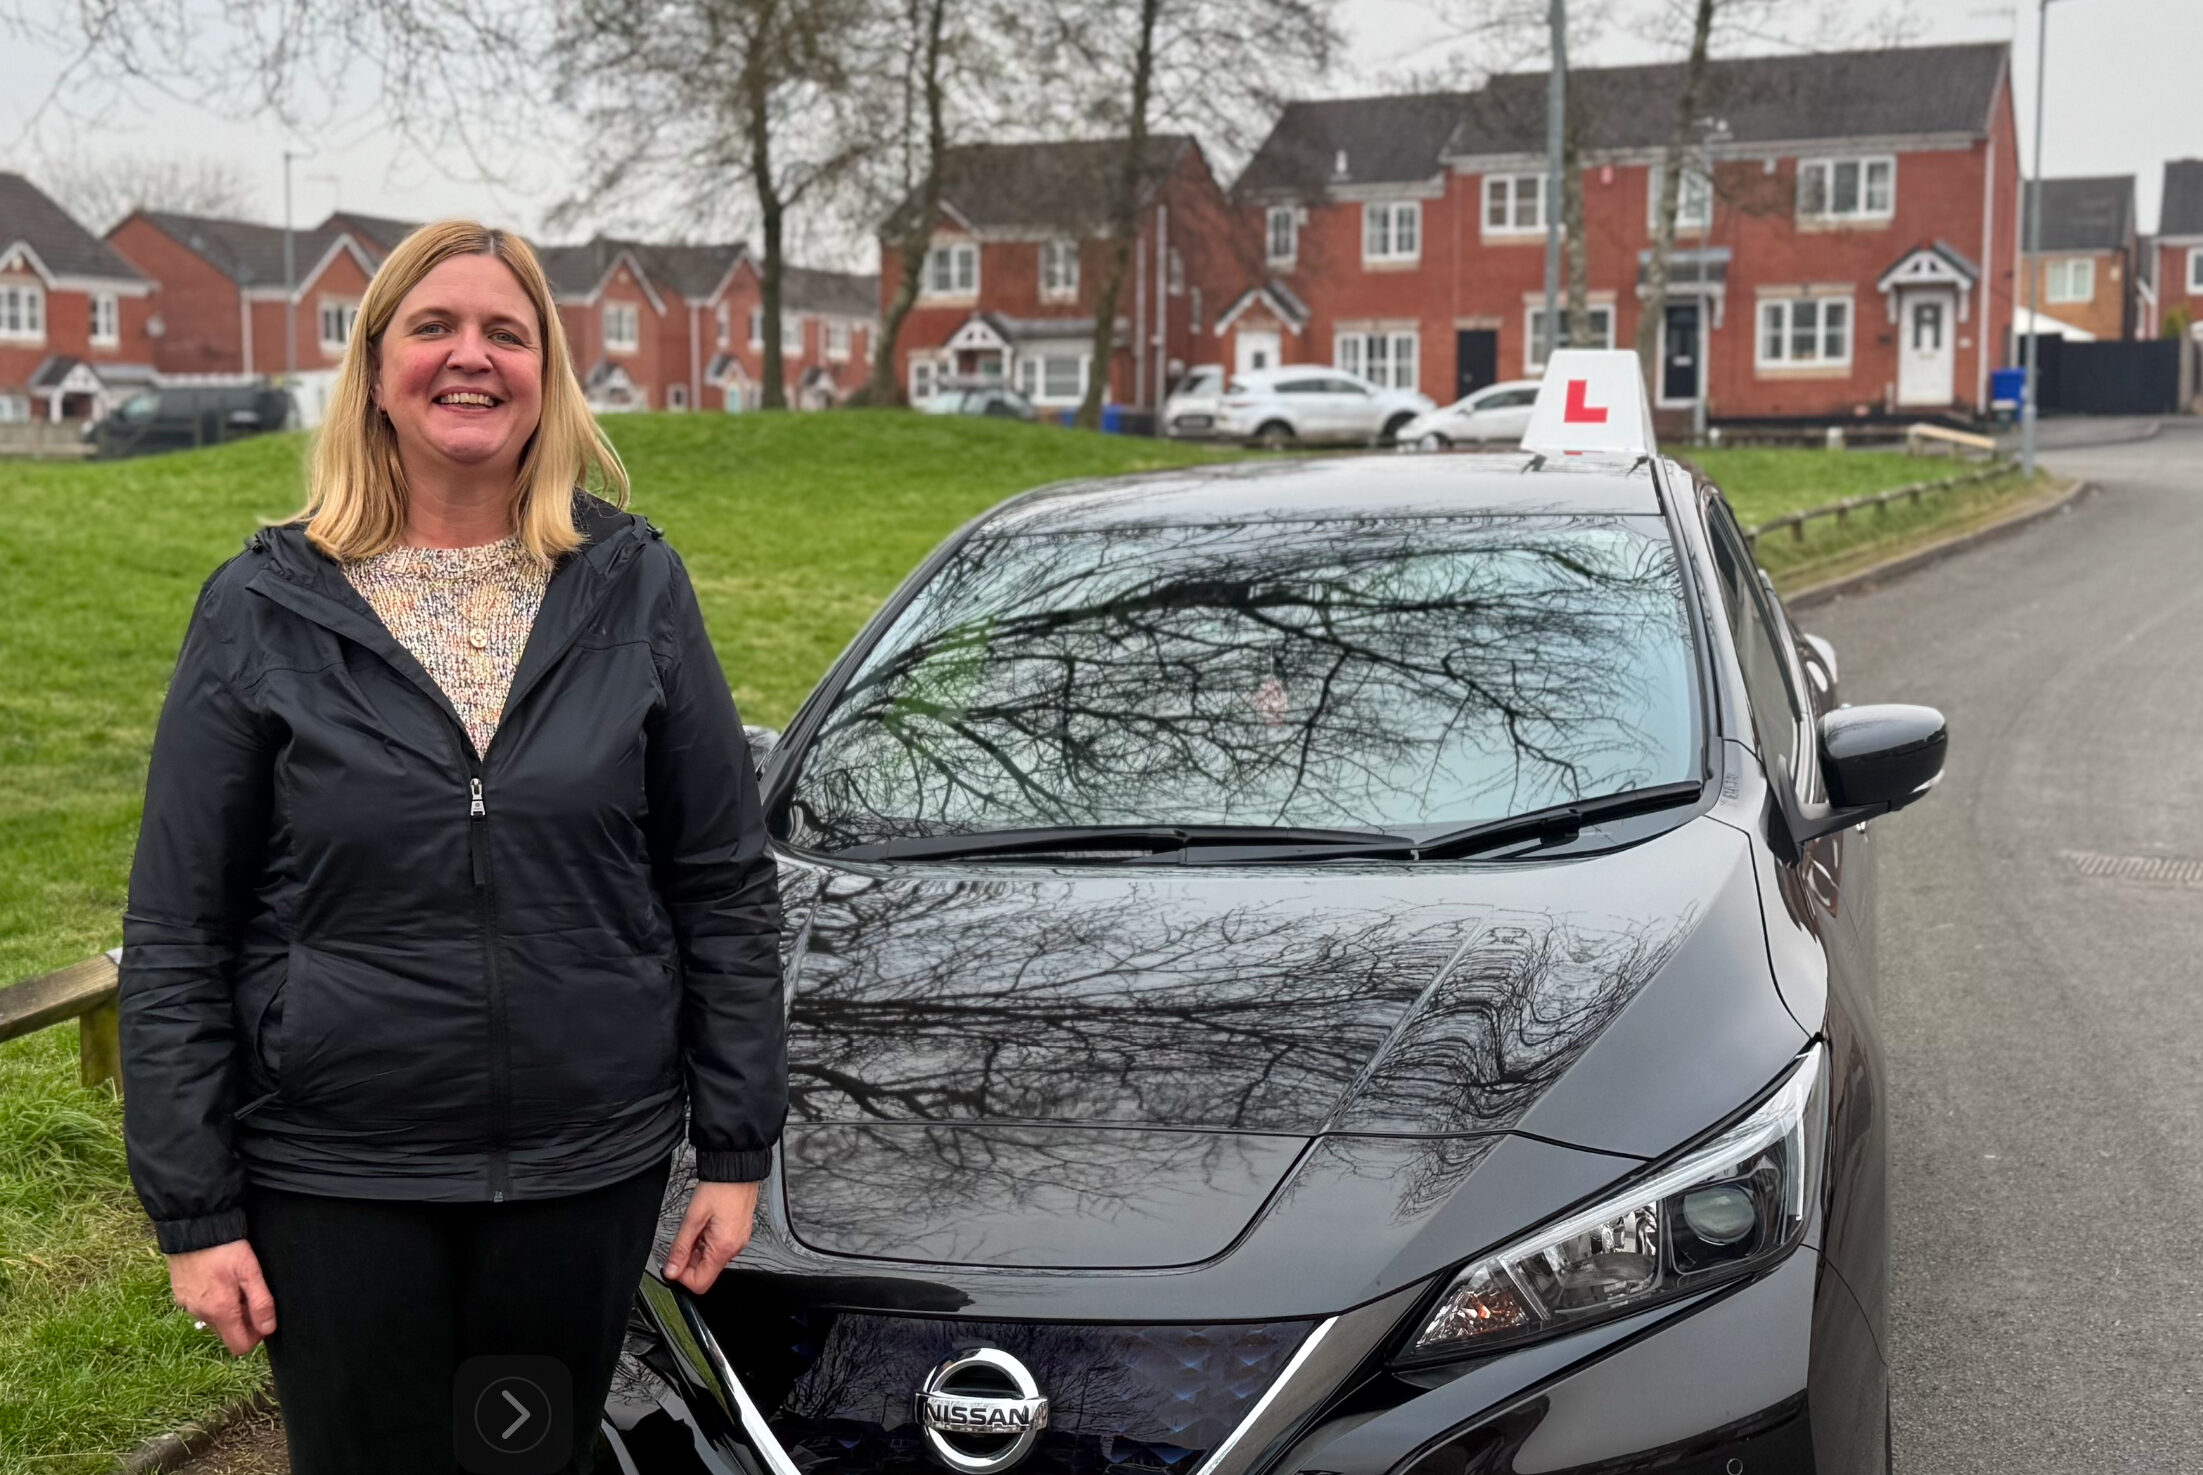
x=1900, y=564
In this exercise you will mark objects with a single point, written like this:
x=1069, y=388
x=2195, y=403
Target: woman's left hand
x=713, y=1231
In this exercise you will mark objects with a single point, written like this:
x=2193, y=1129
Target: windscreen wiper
x=1112, y=842
x=1557, y=822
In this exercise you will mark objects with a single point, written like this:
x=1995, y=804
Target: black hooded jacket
x=361, y=960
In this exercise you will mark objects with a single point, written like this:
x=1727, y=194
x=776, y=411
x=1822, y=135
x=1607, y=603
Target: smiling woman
x=451, y=905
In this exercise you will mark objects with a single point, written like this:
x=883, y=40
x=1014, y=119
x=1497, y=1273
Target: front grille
x=839, y=1388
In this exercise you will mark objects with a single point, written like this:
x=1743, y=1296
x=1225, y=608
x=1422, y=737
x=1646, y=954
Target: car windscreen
x=1387, y=673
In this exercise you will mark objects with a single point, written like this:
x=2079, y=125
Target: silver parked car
x=1311, y=404
x=1190, y=410
x=1497, y=412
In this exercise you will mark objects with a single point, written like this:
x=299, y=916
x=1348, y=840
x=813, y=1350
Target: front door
x=1682, y=355
x=1475, y=360
x=1926, y=357
x=1255, y=349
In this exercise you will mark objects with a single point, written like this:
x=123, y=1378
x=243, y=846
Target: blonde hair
x=356, y=489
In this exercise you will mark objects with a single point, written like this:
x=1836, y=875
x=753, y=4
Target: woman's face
x=460, y=370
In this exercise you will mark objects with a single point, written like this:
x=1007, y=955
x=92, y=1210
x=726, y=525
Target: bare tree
x=694, y=96
x=1215, y=68
x=1677, y=159
x=920, y=45
x=100, y=192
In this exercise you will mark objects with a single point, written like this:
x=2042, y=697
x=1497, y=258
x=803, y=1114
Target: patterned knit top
x=463, y=613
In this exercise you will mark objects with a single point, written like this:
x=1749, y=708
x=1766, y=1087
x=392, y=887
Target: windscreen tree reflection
x=1387, y=673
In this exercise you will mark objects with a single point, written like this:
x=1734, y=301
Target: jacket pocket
x=389, y=1046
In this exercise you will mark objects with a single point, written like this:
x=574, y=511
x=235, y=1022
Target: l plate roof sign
x=1593, y=399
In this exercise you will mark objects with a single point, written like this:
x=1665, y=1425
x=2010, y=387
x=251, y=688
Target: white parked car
x=1190, y=410
x=1308, y=404
x=1495, y=412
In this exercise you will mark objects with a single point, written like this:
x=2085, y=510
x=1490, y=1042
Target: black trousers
x=377, y=1303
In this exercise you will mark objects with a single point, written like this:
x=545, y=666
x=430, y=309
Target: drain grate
x=2158, y=870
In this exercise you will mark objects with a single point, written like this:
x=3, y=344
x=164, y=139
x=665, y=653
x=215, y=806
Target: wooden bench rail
x=85, y=992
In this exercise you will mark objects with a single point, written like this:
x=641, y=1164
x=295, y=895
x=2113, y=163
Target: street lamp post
x=2029, y=350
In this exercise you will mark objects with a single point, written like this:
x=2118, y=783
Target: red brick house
x=1847, y=246
x=2083, y=272
x=827, y=323
x=224, y=305
x=74, y=316
x=2177, y=250
x=1014, y=271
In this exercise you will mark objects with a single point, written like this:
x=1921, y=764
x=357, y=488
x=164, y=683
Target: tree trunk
x=1653, y=321
x=771, y=210
x=1124, y=226
x=911, y=248
x=1572, y=237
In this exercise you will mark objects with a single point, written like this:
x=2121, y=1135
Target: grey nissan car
x=1341, y=967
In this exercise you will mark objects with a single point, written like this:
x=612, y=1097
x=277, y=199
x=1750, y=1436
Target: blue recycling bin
x=2006, y=388
x=1112, y=419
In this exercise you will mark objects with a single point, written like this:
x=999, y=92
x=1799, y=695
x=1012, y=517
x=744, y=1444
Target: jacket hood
x=1098, y=1067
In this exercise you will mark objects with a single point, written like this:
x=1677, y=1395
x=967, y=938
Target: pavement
x=2041, y=991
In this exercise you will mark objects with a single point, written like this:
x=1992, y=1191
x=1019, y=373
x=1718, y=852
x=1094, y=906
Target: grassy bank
x=1766, y=483
x=793, y=527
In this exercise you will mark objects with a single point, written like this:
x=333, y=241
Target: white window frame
x=757, y=327
x=1533, y=360
x=616, y=316
x=106, y=320
x=837, y=336
x=791, y=334
x=951, y=270
x=2195, y=270
x=1281, y=235
x=1695, y=172
x=723, y=317
x=1059, y=270
x=1518, y=217
x=1786, y=308
x=1386, y=224
x=1863, y=208
x=15, y=409
x=22, y=312
x=344, y=313
x=1032, y=377
x=924, y=373
x=2069, y=279
x=1389, y=359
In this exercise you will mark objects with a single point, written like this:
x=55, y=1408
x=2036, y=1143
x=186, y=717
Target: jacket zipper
x=485, y=896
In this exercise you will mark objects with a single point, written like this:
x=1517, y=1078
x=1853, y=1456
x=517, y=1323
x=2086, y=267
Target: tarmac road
x=2044, y=1026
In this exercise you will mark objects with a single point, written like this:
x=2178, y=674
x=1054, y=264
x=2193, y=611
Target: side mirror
x=1882, y=757
x=762, y=741
x=1875, y=759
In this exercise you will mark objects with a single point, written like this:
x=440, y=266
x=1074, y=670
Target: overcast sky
x=2123, y=96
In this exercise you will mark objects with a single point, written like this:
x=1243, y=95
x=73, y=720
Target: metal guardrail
x=85, y=992
x=1796, y=521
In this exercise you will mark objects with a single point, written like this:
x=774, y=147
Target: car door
x=1352, y=410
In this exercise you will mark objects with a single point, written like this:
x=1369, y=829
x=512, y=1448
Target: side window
x=1777, y=713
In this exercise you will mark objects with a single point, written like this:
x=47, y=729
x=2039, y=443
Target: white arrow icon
x=516, y=1423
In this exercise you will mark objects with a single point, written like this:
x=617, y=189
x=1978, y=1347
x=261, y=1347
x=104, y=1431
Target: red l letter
x=1579, y=413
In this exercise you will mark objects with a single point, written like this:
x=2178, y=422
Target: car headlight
x=1727, y=1207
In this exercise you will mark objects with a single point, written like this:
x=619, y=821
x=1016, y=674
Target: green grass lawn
x=794, y=527
x=1763, y=483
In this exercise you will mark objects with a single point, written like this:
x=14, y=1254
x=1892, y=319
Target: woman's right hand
x=223, y=1287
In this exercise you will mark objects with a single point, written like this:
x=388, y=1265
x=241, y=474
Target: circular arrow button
x=512, y=1415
